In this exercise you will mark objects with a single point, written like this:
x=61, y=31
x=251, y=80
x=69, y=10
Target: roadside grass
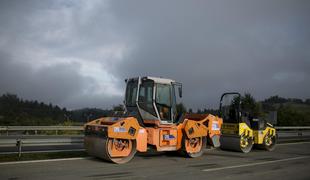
x=40, y=156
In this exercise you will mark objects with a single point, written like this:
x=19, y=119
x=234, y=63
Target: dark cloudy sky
x=77, y=53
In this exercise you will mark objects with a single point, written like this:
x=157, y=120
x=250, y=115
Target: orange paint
x=152, y=136
x=124, y=129
x=180, y=135
x=195, y=128
x=119, y=151
x=215, y=124
x=142, y=140
x=193, y=145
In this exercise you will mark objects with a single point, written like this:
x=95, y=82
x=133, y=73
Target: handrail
x=292, y=127
x=40, y=128
x=7, y=129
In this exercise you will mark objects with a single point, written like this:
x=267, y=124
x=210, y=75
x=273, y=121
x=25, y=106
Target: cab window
x=146, y=97
x=163, y=101
x=131, y=93
x=163, y=94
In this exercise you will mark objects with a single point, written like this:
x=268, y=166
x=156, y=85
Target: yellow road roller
x=151, y=120
x=241, y=129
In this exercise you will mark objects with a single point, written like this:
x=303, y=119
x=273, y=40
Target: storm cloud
x=77, y=53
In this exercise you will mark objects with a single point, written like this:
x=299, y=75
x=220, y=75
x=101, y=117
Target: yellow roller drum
x=236, y=137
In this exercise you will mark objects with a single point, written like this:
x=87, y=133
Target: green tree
x=249, y=104
x=181, y=108
x=290, y=115
x=119, y=107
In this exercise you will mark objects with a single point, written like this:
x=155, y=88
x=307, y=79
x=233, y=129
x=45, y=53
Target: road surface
x=288, y=161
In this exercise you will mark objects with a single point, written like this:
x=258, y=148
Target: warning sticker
x=168, y=137
x=215, y=126
x=141, y=131
x=119, y=129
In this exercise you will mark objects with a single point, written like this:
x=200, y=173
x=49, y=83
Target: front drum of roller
x=269, y=143
x=108, y=149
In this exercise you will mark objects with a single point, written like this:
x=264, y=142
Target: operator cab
x=152, y=98
x=231, y=111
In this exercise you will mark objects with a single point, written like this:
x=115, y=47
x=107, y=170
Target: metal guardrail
x=293, y=131
x=41, y=142
x=40, y=128
x=292, y=127
x=7, y=129
x=21, y=142
x=35, y=129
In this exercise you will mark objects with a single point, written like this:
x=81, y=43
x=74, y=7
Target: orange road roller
x=151, y=120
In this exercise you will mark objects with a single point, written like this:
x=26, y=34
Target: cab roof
x=155, y=79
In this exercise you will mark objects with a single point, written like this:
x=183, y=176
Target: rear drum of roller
x=269, y=143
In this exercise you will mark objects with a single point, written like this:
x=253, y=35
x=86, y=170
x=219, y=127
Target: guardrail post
x=19, y=146
x=56, y=132
x=299, y=132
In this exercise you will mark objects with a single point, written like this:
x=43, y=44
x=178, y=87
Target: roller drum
x=233, y=143
x=100, y=147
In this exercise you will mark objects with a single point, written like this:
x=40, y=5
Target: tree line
x=16, y=111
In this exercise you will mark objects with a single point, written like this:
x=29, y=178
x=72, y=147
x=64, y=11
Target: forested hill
x=19, y=112
x=16, y=111
x=291, y=111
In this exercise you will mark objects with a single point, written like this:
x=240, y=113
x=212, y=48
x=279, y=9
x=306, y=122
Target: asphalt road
x=288, y=161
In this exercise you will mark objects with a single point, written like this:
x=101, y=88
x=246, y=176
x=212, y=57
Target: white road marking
x=255, y=164
x=210, y=149
x=283, y=144
x=45, y=160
